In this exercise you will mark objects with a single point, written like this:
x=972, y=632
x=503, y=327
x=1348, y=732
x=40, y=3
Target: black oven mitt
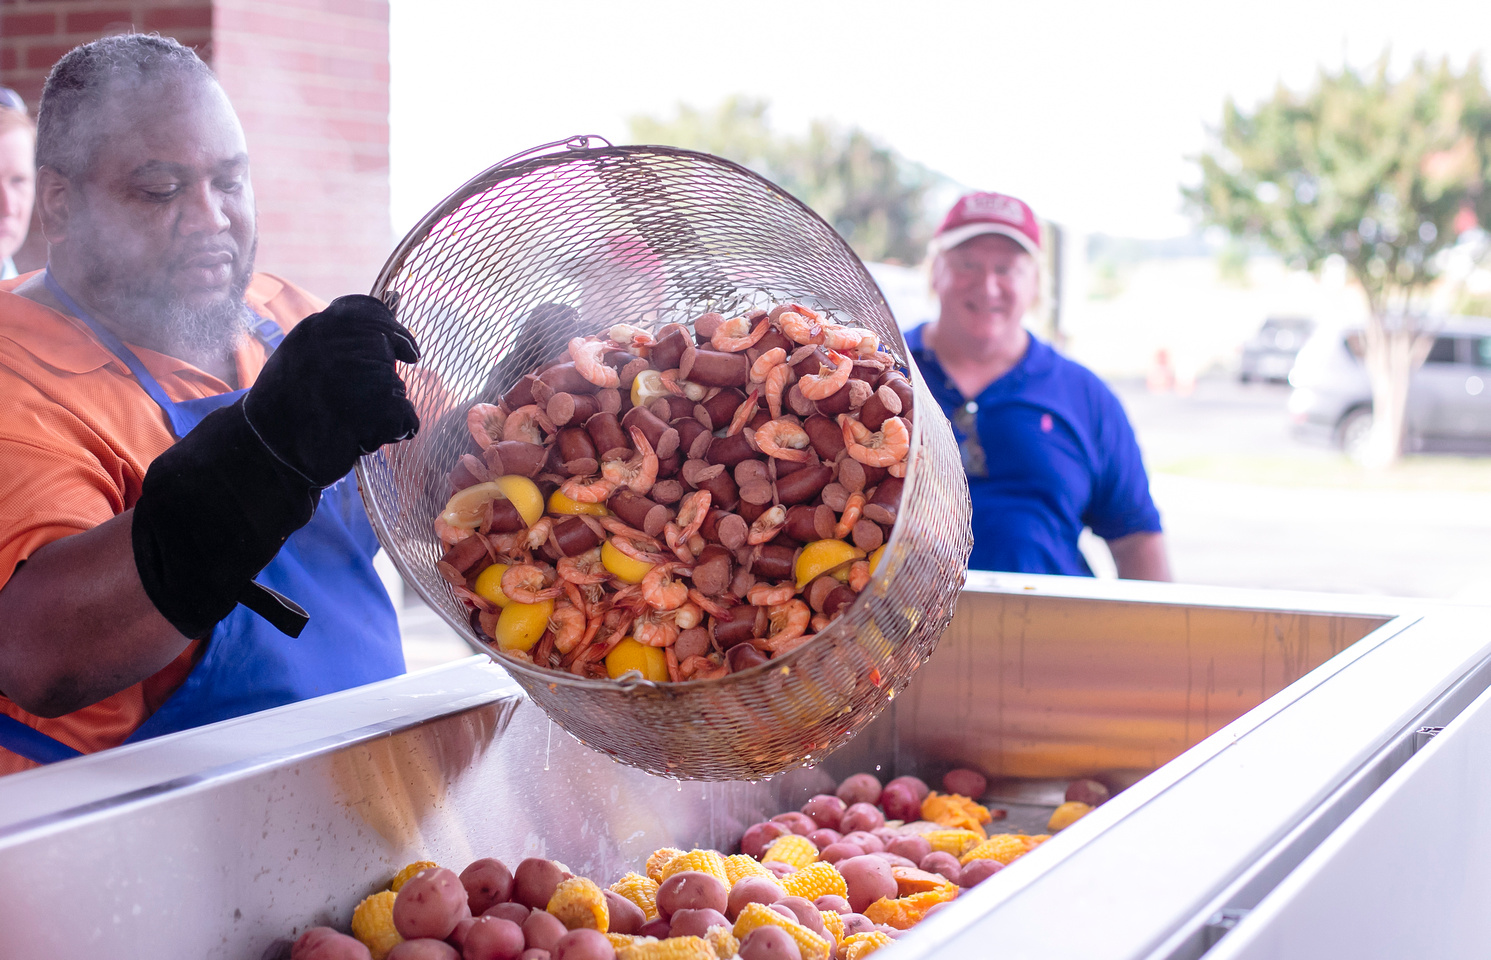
x=218, y=504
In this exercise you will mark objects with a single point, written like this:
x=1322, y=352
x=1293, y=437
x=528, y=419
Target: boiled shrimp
x=879, y=448
x=712, y=607
x=449, y=534
x=800, y=328
x=825, y=383
x=530, y=583
x=528, y=424
x=770, y=594
x=637, y=551
x=768, y=525
x=637, y=474
x=588, y=489
x=744, y=413
x=688, y=616
x=764, y=363
x=735, y=335
x=701, y=668
x=853, y=509
x=776, y=386
x=660, y=588
x=786, y=622
x=783, y=440
x=897, y=470
x=674, y=383
x=538, y=534
x=655, y=629
x=859, y=575
x=583, y=569
x=589, y=361
x=630, y=337
x=485, y=421
x=850, y=340
x=568, y=624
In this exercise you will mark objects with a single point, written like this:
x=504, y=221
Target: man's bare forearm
x=76, y=625
x=1140, y=556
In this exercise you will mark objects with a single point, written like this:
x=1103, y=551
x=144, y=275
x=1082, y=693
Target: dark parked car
x=1449, y=405
x=1269, y=354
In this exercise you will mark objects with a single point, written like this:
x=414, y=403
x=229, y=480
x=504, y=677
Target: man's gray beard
x=154, y=316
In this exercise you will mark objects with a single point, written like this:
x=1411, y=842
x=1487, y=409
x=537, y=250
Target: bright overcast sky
x=1086, y=110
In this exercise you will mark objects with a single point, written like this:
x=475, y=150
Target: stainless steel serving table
x=1269, y=740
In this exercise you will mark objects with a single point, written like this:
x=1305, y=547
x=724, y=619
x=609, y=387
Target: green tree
x=1370, y=169
x=874, y=197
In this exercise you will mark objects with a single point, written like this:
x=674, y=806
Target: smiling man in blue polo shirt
x=1046, y=444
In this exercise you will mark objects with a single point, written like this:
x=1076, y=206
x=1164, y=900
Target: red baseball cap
x=979, y=213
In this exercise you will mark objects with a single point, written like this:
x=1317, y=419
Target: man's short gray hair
x=68, y=124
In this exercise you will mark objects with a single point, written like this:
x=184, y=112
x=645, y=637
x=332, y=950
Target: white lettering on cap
x=996, y=206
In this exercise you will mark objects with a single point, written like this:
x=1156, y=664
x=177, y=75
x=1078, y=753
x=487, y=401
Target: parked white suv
x=1449, y=397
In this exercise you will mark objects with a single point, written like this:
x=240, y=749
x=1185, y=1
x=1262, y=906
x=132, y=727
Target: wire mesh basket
x=550, y=245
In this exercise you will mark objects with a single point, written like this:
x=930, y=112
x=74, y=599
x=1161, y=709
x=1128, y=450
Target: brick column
x=309, y=79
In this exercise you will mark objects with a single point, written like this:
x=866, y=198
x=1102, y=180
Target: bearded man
x=180, y=541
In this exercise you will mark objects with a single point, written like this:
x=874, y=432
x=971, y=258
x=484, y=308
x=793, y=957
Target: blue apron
x=249, y=665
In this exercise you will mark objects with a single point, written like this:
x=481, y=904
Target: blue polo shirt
x=1054, y=453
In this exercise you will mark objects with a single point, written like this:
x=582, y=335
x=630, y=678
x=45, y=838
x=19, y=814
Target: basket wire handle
x=580, y=141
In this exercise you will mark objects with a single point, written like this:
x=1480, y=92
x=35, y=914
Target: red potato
x=424, y=949
x=430, y=904
x=515, y=912
x=900, y=802
x=324, y=943
x=457, y=936
x=626, y=917
x=780, y=869
x=826, y=810
x=835, y=852
x=912, y=847
x=943, y=864
x=487, y=881
x=759, y=836
x=807, y=914
x=751, y=890
x=857, y=923
x=867, y=842
x=542, y=929
x=860, y=788
x=656, y=927
x=584, y=945
x=861, y=817
x=769, y=943
x=832, y=903
x=869, y=878
x=691, y=890
x=695, y=923
x=824, y=837
x=1089, y=792
x=492, y=938
x=886, y=834
x=535, y=880
x=935, y=908
x=534, y=953
x=977, y=871
x=916, y=785
x=796, y=821
x=895, y=860
x=965, y=782
x=782, y=910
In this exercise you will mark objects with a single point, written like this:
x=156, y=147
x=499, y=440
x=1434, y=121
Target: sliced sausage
x=884, y=503
x=640, y=512
x=610, y=440
x=565, y=378
x=664, y=439
x=714, y=368
x=574, y=537
x=713, y=569
x=803, y=485
x=565, y=408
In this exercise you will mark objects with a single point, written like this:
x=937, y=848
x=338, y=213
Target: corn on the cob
x=407, y=874
x=639, y=890
x=833, y=921
x=659, y=859
x=578, y=902
x=1003, y=847
x=704, y=861
x=372, y=923
x=619, y=940
x=815, y=880
x=812, y=946
x=722, y=942
x=673, y=948
x=738, y=866
x=791, y=849
x=954, y=810
x=906, y=912
x=955, y=842
x=861, y=945
x=1066, y=815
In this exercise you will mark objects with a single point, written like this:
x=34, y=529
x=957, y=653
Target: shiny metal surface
x=527, y=254
x=198, y=845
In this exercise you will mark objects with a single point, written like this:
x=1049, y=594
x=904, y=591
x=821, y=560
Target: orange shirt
x=77, y=433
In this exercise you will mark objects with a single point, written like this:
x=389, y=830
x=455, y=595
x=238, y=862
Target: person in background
x=180, y=539
x=17, y=177
x=1046, y=445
